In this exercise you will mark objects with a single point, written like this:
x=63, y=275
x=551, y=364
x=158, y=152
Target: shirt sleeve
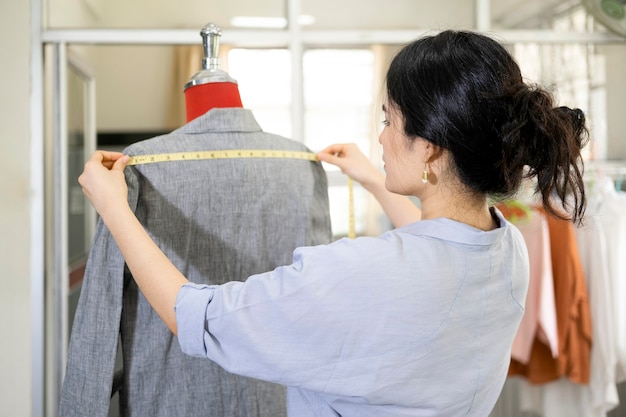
x=286, y=326
x=318, y=323
x=264, y=327
x=191, y=304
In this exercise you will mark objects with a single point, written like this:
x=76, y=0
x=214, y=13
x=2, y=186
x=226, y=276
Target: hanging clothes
x=611, y=211
x=600, y=243
x=592, y=246
x=564, y=398
x=572, y=313
x=216, y=220
x=539, y=320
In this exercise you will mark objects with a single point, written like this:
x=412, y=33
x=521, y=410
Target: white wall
x=133, y=87
x=15, y=195
x=71, y=13
x=20, y=193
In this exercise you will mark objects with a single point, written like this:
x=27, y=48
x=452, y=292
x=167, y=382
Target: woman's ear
x=432, y=152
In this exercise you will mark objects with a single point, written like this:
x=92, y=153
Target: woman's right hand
x=103, y=182
x=352, y=162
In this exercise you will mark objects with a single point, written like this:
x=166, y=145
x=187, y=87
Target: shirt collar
x=452, y=230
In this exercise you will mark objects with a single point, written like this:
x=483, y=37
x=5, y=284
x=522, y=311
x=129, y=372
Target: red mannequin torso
x=201, y=98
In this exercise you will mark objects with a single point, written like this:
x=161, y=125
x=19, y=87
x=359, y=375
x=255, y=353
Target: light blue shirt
x=416, y=322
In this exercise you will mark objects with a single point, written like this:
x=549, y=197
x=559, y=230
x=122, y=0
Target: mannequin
x=195, y=208
x=211, y=87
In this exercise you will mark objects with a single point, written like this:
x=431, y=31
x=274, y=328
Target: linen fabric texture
x=416, y=322
x=216, y=220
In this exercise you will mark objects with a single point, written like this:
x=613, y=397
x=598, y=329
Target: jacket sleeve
x=86, y=389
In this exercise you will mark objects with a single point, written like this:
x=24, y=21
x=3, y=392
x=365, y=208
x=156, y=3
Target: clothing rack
x=516, y=400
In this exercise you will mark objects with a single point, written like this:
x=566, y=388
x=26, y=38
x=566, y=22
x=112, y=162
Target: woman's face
x=403, y=158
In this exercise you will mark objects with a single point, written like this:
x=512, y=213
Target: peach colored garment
x=572, y=312
x=539, y=319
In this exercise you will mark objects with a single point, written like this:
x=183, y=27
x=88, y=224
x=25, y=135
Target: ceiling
x=327, y=14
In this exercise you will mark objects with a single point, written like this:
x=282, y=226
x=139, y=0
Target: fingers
x=121, y=163
x=99, y=160
x=334, y=149
x=333, y=153
x=103, y=181
x=106, y=158
x=329, y=157
x=332, y=158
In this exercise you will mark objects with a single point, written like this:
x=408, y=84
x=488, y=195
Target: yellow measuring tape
x=220, y=154
x=244, y=153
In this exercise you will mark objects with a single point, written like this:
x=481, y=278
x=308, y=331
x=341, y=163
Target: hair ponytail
x=566, y=181
x=548, y=140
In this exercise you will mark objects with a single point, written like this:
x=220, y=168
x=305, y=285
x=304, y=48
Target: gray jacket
x=217, y=220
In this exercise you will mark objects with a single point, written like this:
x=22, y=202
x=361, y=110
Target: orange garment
x=572, y=313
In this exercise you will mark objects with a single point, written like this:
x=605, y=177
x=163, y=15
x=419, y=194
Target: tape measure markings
x=220, y=154
x=351, y=226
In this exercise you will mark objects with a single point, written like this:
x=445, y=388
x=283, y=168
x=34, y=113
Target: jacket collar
x=222, y=120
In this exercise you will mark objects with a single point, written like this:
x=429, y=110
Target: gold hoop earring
x=425, y=174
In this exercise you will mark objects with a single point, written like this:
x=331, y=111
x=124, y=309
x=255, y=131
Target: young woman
x=420, y=320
